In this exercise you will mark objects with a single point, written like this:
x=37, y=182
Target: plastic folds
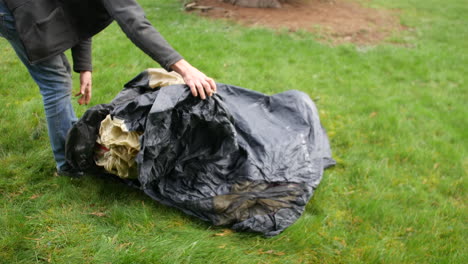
x=239, y=158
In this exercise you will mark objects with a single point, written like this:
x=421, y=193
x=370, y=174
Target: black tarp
x=239, y=158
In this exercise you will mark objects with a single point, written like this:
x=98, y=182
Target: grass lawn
x=396, y=116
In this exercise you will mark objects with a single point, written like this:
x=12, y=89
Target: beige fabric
x=120, y=145
x=160, y=77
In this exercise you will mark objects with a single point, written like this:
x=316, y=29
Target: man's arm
x=81, y=54
x=82, y=63
x=132, y=20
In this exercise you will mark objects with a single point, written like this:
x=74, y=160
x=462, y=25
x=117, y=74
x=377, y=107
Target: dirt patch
x=335, y=21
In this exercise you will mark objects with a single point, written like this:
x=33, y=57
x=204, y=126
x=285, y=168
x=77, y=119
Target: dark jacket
x=49, y=27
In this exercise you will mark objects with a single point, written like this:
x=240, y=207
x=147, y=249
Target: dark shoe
x=72, y=173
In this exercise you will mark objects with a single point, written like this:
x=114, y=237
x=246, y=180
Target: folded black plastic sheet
x=240, y=158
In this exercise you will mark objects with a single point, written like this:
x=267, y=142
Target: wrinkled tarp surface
x=240, y=158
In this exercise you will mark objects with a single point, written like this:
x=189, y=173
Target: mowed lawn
x=396, y=115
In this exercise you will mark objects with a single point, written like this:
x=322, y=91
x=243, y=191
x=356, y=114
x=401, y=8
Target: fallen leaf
x=124, y=245
x=271, y=252
x=34, y=196
x=224, y=233
x=99, y=214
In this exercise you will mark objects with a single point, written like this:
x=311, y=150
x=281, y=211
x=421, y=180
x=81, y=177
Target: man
x=41, y=30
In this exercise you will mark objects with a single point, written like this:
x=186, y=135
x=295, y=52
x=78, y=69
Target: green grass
x=396, y=116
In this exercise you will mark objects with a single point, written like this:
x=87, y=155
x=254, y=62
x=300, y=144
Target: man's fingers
x=85, y=93
x=207, y=88
x=201, y=86
x=191, y=85
x=83, y=89
x=87, y=97
x=201, y=91
x=212, y=84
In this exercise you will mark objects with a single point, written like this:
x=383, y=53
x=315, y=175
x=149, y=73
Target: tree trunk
x=256, y=3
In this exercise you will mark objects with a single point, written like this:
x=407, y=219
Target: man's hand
x=85, y=87
x=198, y=82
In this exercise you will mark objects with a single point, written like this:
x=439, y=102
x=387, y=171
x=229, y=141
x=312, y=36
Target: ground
x=335, y=21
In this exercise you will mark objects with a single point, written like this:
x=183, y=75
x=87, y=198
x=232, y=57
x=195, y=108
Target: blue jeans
x=53, y=77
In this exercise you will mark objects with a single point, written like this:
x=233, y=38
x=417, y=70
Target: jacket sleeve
x=81, y=54
x=132, y=20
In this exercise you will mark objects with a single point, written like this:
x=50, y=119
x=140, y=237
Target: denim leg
x=53, y=77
